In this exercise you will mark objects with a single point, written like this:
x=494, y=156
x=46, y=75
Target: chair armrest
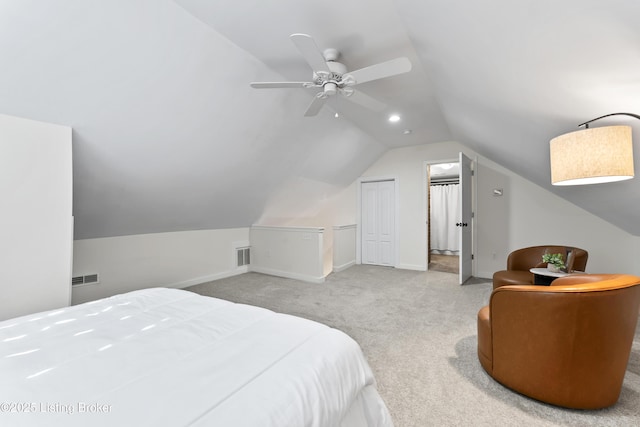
x=578, y=282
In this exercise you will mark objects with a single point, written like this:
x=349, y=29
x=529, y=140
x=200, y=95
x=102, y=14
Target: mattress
x=168, y=357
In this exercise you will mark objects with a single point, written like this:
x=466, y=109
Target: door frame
x=396, y=214
x=425, y=205
x=466, y=268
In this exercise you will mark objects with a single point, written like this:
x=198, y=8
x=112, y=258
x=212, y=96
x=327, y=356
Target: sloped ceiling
x=169, y=136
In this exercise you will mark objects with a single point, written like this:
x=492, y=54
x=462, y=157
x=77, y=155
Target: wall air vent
x=243, y=256
x=89, y=279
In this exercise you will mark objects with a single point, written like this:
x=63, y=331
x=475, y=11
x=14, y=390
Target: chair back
x=531, y=257
x=567, y=344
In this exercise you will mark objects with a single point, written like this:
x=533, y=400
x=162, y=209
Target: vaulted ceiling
x=169, y=136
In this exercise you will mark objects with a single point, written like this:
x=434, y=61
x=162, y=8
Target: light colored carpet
x=418, y=332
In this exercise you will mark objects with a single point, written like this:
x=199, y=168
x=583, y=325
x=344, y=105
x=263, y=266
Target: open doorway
x=444, y=213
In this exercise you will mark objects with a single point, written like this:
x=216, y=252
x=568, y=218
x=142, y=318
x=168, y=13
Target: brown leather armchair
x=566, y=344
x=520, y=261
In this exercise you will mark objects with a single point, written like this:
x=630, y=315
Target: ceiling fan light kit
x=593, y=155
x=332, y=77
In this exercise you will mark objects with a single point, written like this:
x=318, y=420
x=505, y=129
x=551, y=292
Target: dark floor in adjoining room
x=445, y=263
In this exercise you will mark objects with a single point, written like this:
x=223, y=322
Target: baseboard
x=343, y=267
x=488, y=275
x=208, y=278
x=288, y=275
x=412, y=267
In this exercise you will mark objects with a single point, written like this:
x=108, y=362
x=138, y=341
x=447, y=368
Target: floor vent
x=89, y=279
x=243, y=256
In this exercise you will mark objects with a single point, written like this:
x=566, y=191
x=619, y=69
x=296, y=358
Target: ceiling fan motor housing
x=337, y=68
x=330, y=82
x=330, y=88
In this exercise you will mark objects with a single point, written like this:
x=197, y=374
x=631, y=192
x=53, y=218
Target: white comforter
x=166, y=357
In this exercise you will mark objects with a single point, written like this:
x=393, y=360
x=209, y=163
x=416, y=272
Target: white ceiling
x=169, y=136
x=444, y=170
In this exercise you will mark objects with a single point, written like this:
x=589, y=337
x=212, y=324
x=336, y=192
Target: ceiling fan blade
x=381, y=70
x=315, y=105
x=269, y=85
x=310, y=52
x=366, y=101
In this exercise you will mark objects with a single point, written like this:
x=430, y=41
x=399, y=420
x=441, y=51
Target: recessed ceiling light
x=406, y=131
x=394, y=118
x=336, y=115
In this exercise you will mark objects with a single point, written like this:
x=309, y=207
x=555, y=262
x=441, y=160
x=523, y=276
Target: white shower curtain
x=445, y=212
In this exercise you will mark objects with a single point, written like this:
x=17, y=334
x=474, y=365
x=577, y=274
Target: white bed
x=166, y=357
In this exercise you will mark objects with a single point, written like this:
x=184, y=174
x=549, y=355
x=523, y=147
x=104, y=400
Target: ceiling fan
x=333, y=78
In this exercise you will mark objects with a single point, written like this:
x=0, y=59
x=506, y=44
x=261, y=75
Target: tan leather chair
x=567, y=344
x=520, y=261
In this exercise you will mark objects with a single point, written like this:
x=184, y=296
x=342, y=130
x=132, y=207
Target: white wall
x=344, y=246
x=304, y=202
x=293, y=252
x=525, y=215
x=37, y=227
x=176, y=259
x=181, y=259
x=541, y=217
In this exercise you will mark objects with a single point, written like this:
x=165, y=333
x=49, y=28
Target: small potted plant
x=554, y=262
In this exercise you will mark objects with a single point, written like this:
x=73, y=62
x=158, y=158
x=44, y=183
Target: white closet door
x=369, y=222
x=378, y=223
